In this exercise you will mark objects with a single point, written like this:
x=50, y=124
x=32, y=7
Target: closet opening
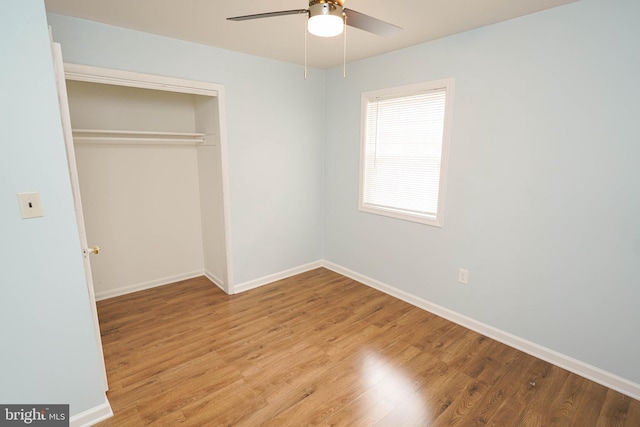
x=151, y=167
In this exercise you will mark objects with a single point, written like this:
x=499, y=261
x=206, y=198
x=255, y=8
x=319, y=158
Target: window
x=403, y=150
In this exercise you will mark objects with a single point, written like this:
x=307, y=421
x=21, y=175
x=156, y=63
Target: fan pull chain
x=305, y=47
x=344, y=50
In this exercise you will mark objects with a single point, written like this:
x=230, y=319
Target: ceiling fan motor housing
x=325, y=7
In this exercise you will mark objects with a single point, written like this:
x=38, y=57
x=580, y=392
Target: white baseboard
x=216, y=280
x=578, y=367
x=256, y=283
x=147, y=285
x=92, y=416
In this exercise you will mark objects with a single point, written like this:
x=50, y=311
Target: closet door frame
x=85, y=73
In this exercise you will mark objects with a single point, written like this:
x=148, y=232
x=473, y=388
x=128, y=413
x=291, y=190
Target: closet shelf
x=104, y=136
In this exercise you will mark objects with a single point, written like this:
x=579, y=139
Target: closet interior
x=149, y=167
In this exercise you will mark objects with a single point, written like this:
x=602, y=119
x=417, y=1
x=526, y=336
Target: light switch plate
x=463, y=276
x=30, y=206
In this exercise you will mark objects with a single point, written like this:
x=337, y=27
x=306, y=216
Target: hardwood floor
x=322, y=349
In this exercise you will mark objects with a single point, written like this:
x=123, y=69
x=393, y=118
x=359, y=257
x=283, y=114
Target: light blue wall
x=543, y=196
x=48, y=351
x=274, y=135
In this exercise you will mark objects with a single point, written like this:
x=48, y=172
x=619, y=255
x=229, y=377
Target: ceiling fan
x=327, y=18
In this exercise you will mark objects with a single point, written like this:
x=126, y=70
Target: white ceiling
x=282, y=38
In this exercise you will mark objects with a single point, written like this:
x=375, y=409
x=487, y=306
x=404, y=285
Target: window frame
x=437, y=219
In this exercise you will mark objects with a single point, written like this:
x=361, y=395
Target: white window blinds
x=402, y=155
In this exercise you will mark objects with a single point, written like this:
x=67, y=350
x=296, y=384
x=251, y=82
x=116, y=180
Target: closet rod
x=135, y=141
x=108, y=136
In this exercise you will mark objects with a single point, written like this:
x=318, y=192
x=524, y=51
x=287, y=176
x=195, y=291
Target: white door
x=75, y=185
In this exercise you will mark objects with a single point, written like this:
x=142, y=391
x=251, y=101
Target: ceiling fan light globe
x=325, y=25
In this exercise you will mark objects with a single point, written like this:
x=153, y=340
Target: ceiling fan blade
x=268, y=15
x=370, y=24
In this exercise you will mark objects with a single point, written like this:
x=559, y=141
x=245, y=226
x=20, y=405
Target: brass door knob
x=95, y=250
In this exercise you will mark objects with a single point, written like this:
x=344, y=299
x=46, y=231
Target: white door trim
x=87, y=73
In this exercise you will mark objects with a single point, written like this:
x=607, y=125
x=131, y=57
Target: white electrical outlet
x=30, y=206
x=463, y=276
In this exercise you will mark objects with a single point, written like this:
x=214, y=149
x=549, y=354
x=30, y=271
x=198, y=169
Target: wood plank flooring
x=322, y=349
